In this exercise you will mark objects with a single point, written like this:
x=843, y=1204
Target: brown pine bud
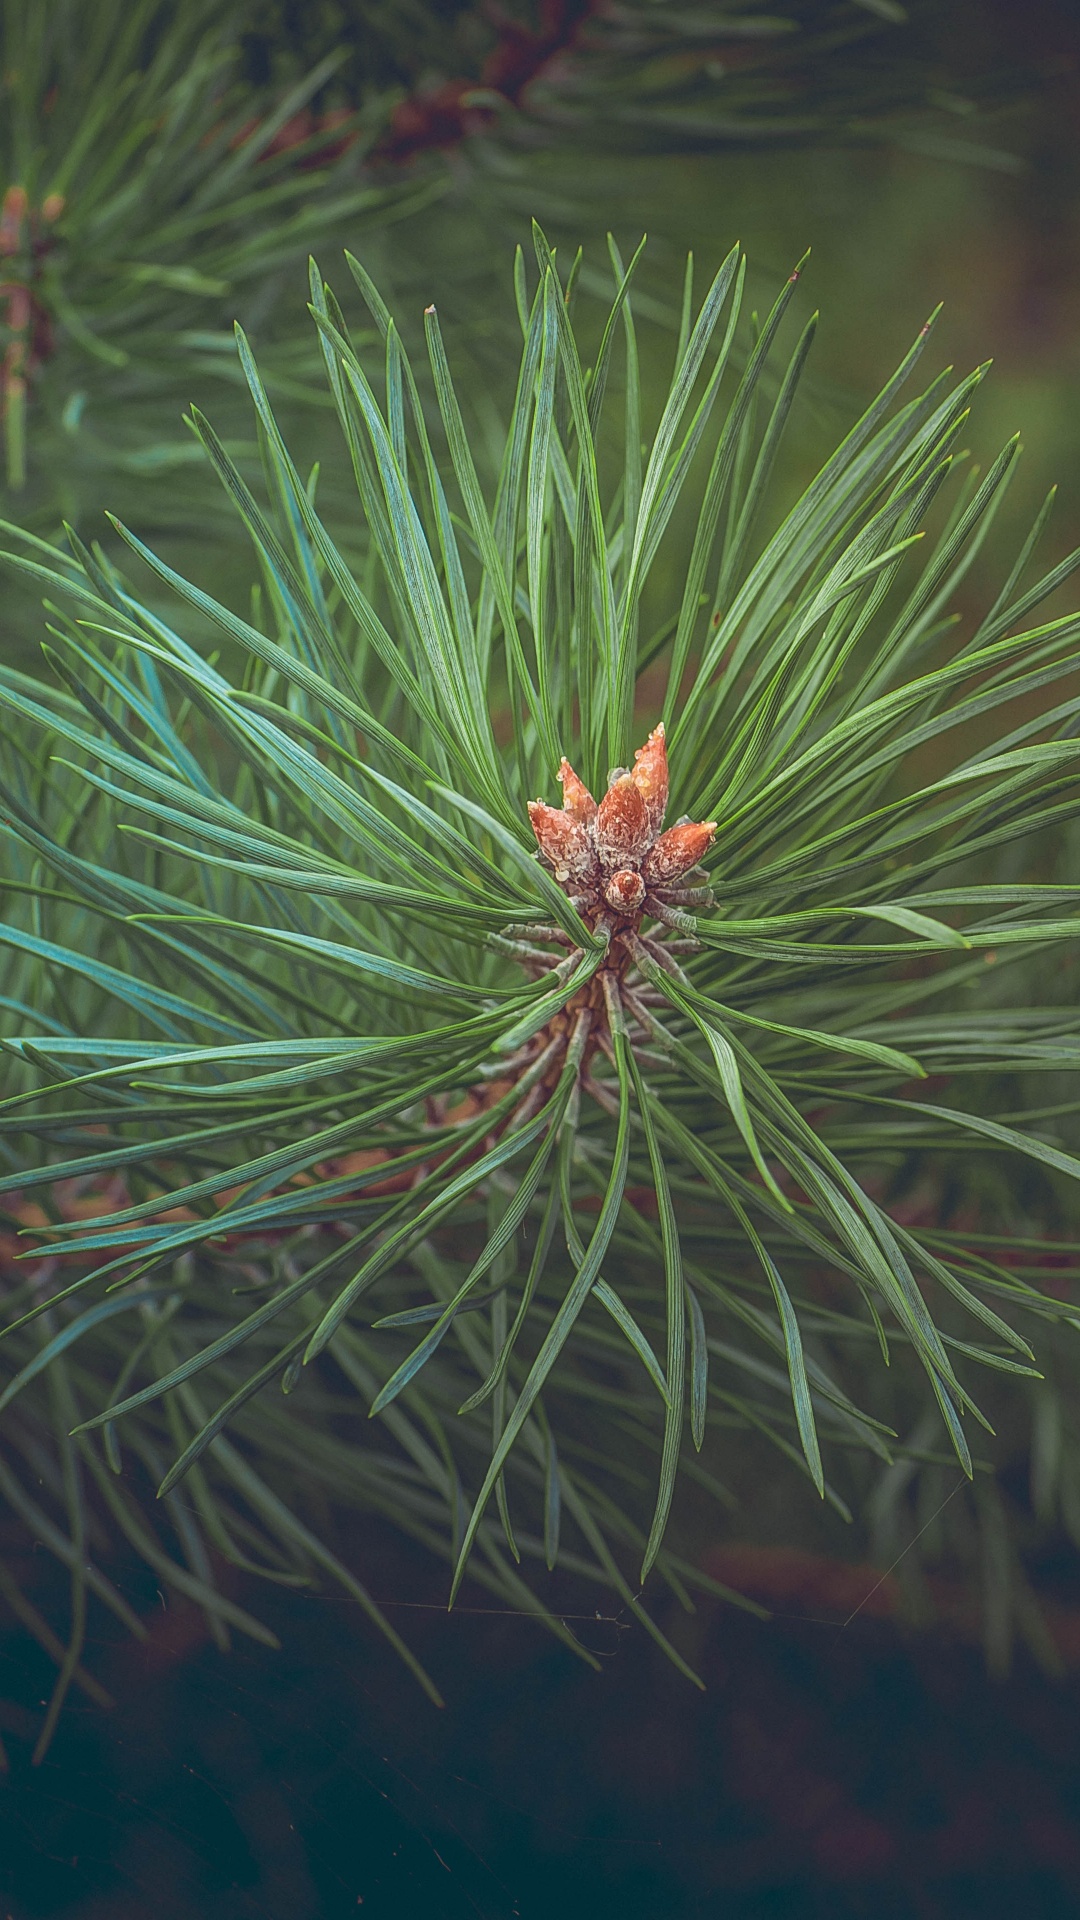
x=564, y=842
x=622, y=823
x=676, y=851
x=577, y=799
x=625, y=891
x=650, y=777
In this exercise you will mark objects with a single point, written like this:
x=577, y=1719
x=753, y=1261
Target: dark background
x=827, y=1770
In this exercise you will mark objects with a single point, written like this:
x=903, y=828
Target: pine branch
x=337, y=1049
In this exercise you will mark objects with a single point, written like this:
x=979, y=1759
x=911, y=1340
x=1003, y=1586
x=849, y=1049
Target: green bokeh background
x=982, y=213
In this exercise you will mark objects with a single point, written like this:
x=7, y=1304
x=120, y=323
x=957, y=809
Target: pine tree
x=386, y=1043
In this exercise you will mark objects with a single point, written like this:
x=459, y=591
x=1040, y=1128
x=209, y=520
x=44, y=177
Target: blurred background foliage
x=165, y=170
